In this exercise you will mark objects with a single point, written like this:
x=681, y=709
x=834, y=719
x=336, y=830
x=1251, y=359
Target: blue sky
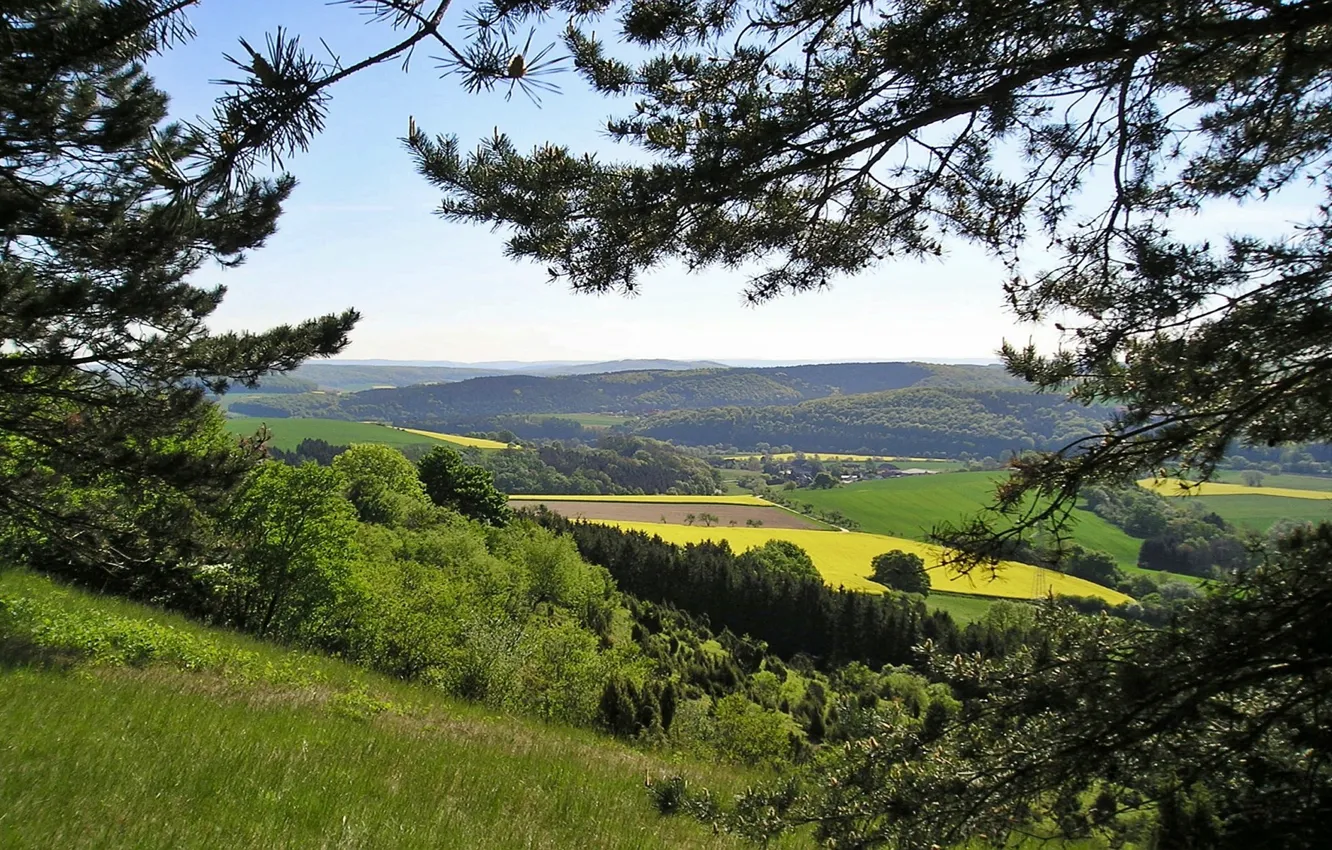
x=360, y=231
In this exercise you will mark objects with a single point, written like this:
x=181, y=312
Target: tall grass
x=126, y=727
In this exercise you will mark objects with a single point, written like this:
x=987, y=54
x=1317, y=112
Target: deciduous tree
x=901, y=571
x=461, y=486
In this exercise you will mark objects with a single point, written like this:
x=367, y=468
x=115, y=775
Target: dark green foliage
x=1179, y=538
x=1218, y=722
x=927, y=422
x=823, y=481
x=1093, y=566
x=902, y=571
x=317, y=451
x=780, y=556
x=791, y=613
x=103, y=346
x=463, y=487
x=616, y=465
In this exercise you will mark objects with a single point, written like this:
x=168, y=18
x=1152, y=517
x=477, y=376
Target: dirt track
x=670, y=513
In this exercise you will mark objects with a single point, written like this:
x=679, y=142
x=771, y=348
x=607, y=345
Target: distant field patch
x=678, y=500
x=288, y=433
x=1283, y=480
x=1259, y=513
x=1176, y=487
x=912, y=507
x=843, y=558
x=592, y=420
x=961, y=607
x=470, y=442
x=673, y=513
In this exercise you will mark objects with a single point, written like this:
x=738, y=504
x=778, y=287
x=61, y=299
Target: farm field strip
x=668, y=500
x=289, y=431
x=470, y=442
x=844, y=559
x=1178, y=488
x=674, y=513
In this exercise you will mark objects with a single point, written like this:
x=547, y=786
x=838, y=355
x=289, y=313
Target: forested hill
x=641, y=392
x=915, y=421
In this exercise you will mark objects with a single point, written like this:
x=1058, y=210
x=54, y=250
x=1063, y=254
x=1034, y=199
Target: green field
x=911, y=507
x=964, y=609
x=1259, y=513
x=255, y=746
x=288, y=433
x=1287, y=481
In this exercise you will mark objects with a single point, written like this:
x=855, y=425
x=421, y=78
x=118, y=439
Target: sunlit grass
x=293, y=750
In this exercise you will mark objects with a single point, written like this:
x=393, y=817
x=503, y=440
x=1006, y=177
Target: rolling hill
x=623, y=392
x=913, y=421
x=128, y=727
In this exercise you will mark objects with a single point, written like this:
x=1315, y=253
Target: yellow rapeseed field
x=472, y=442
x=1176, y=487
x=673, y=500
x=844, y=559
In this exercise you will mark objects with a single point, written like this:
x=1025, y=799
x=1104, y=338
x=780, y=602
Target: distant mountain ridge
x=353, y=376
x=625, y=392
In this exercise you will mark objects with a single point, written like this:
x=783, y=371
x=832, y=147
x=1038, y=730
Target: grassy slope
x=963, y=609
x=1259, y=513
x=160, y=757
x=843, y=558
x=910, y=507
x=287, y=433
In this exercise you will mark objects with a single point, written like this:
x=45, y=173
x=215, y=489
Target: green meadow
x=127, y=727
x=1289, y=481
x=1259, y=512
x=288, y=433
x=911, y=507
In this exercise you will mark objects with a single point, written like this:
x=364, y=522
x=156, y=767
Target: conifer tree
x=105, y=247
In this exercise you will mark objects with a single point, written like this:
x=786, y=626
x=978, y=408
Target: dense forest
x=440, y=405
x=615, y=465
x=928, y=422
